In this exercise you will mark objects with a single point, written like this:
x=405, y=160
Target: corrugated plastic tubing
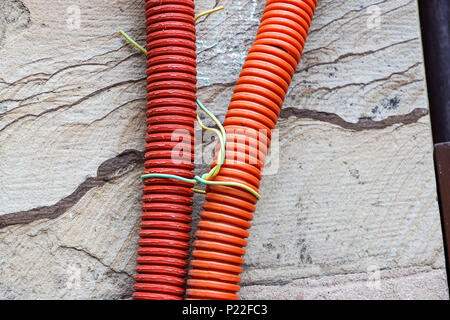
x=252, y=114
x=171, y=112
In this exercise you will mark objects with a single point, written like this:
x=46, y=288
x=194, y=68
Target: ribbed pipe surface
x=171, y=111
x=252, y=115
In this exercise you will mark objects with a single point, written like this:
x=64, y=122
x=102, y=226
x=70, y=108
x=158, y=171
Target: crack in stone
x=50, y=76
x=127, y=160
x=86, y=252
x=107, y=171
x=409, y=271
x=355, y=54
x=364, y=123
x=68, y=106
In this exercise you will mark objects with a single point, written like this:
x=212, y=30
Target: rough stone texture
x=350, y=189
x=411, y=283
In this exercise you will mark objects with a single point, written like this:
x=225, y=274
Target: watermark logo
x=374, y=277
x=73, y=17
x=374, y=20
x=259, y=148
x=273, y=158
x=73, y=277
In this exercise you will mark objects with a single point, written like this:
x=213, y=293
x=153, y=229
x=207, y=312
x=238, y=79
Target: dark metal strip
x=442, y=162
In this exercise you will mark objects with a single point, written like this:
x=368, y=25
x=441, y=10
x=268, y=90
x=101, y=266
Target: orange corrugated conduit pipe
x=252, y=114
x=171, y=105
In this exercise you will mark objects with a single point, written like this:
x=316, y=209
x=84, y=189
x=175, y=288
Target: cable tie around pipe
x=205, y=178
x=141, y=48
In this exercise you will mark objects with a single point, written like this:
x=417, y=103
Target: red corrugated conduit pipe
x=252, y=114
x=171, y=104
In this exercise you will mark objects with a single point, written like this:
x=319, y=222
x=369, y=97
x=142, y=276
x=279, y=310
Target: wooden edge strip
x=442, y=163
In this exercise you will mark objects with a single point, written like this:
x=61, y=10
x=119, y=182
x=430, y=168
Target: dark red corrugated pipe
x=252, y=114
x=171, y=104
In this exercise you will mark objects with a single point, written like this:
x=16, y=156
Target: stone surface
x=348, y=197
x=410, y=283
